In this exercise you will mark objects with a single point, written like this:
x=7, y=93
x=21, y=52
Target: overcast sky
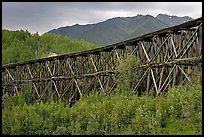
x=44, y=16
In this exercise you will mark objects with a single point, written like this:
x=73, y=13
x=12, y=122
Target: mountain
x=119, y=28
x=172, y=20
x=145, y=25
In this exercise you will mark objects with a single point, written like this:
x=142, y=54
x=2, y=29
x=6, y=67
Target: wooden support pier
x=168, y=57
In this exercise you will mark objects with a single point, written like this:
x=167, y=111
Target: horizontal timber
x=111, y=47
x=165, y=58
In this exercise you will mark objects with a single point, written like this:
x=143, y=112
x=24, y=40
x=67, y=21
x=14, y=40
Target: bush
x=178, y=113
x=128, y=73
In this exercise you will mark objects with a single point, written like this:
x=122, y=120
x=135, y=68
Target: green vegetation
x=21, y=45
x=178, y=113
x=129, y=74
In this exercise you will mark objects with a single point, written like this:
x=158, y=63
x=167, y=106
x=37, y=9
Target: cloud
x=44, y=16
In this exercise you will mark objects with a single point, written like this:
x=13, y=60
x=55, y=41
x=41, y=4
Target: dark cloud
x=44, y=16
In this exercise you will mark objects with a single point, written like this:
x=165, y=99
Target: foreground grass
x=178, y=113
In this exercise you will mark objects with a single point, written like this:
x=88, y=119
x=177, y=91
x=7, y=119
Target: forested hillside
x=21, y=45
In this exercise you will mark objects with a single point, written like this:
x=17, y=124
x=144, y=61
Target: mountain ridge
x=117, y=29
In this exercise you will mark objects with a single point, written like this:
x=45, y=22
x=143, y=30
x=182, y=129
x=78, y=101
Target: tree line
x=21, y=45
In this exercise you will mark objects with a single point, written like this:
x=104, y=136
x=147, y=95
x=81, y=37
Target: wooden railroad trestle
x=168, y=57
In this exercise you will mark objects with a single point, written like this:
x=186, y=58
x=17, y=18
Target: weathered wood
x=97, y=76
x=167, y=57
x=13, y=80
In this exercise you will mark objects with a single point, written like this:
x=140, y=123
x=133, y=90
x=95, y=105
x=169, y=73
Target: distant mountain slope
x=151, y=24
x=118, y=29
x=173, y=20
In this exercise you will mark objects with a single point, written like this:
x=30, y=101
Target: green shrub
x=178, y=113
x=128, y=73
